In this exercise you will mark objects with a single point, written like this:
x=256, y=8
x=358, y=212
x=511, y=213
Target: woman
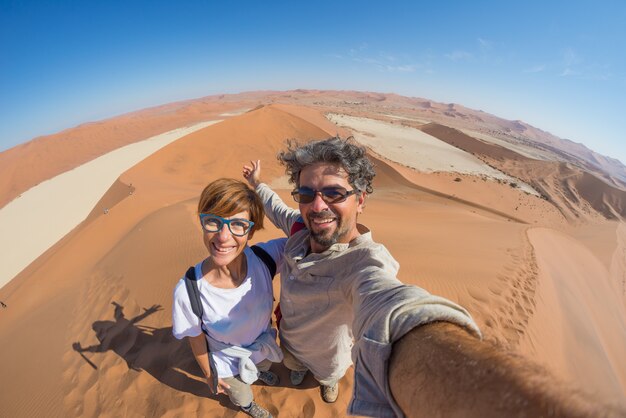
x=235, y=289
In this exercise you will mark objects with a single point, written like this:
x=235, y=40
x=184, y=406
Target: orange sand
x=87, y=327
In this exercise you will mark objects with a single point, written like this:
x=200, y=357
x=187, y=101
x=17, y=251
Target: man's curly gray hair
x=345, y=152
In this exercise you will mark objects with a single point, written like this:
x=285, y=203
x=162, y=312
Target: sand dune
x=412, y=147
x=575, y=192
x=27, y=165
x=54, y=207
x=587, y=318
x=525, y=150
x=130, y=258
x=419, y=150
x=99, y=300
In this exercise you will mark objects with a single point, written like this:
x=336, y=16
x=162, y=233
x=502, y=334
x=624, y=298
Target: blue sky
x=558, y=65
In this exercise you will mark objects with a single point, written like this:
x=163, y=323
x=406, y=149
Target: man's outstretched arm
x=439, y=370
x=281, y=215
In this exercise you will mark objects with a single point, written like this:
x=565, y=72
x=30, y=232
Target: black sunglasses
x=328, y=194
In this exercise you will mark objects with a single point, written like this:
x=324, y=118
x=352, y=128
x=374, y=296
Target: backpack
x=191, y=283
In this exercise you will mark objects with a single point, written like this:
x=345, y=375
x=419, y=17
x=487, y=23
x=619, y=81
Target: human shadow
x=149, y=349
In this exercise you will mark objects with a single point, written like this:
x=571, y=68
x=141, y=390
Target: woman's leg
x=264, y=365
x=240, y=393
x=265, y=375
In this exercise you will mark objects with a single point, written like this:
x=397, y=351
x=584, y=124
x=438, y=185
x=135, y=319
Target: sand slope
x=112, y=259
x=98, y=302
x=54, y=207
x=574, y=192
x=580, y=325
x=28, y=164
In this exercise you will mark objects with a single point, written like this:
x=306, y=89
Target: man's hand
x=440, y=370
x=252, y=173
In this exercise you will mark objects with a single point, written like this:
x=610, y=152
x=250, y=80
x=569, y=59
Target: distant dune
x=87, y=327
x=26, y=165
x=574, y=191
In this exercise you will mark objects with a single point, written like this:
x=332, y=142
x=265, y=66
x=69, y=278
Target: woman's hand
x=252, y=173
x=221, y=385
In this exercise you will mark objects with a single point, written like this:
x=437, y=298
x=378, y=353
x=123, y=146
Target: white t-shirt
x=233, y=316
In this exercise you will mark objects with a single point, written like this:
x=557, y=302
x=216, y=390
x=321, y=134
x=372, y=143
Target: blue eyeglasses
x=237, y=226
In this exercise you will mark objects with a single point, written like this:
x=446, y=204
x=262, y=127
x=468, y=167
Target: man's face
x=329, y=223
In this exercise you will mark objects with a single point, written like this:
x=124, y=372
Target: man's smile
x=322, y=219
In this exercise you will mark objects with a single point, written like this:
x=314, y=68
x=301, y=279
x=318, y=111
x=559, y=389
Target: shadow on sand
x=153, y=350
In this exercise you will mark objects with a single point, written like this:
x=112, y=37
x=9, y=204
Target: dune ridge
x=96, y=138
x=51, y=209
x=100, y=298
x=576, y=193
x=89, y=271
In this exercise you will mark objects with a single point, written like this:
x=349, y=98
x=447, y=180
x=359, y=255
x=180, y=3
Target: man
x=414, y=354
x=339, y=291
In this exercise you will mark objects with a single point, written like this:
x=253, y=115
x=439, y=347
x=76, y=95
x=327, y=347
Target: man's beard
x=326, y=238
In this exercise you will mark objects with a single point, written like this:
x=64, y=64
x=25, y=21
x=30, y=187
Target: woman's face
x=223, y=246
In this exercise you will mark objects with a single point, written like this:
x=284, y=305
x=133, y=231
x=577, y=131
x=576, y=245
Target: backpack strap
x=191, y=283
x=298, y=225
x=265, y=258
